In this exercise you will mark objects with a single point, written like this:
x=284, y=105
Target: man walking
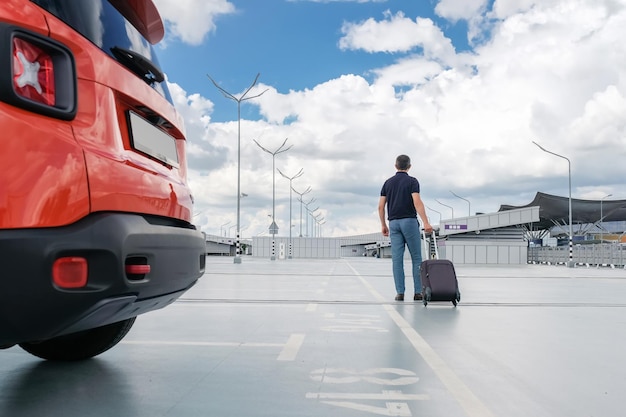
x=401, y=195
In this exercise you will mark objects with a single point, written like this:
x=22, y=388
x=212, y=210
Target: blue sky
x=461, y=86
x=294, y=45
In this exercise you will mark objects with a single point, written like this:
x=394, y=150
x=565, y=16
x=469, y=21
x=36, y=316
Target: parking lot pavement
x=325, y=338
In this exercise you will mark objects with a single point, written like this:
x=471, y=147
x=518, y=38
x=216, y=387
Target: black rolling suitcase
x=439, y=282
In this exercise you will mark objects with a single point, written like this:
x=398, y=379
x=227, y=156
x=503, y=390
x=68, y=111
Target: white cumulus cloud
x=192, y=20
x=553, y=72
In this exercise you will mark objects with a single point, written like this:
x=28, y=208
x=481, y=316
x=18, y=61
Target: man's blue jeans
x=405, y=232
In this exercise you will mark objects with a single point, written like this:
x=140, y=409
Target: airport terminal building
x=537, y=232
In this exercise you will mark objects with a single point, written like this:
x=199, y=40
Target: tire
x=81, y=345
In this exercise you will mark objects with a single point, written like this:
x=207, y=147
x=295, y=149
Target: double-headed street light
x=301, y=194
x=306, y=226
x=316, y=219
x=570, y=263
x=310, y=214
x=290, y=217
x=318, y=226
x=239, y=99
x=274, y=226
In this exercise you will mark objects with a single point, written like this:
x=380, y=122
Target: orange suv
x=95, y=207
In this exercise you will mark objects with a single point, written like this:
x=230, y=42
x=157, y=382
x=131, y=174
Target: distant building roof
x=555, y=210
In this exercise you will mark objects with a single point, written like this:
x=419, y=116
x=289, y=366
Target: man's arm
x=381, y=214
x=421, y=210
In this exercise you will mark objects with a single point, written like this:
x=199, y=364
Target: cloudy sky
x=461, y=86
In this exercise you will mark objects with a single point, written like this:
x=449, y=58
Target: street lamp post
x=469, y=205
x=274, y=226
x=310, y=214
x=308, y=190
x=602, y=229
x=221, y=233
x=438, y=212
x=450, y=207
x=320, y=227
x=570, y=263
x=290, y=216
x=306, y=207
x=239, y=99
x=319, y=222
x=316, y=219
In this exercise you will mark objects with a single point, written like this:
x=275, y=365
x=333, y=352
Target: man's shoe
x=418, y=297
x=400, y=297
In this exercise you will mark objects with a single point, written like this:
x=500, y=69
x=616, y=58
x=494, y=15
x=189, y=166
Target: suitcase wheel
x=457, y=298
x=428, y=292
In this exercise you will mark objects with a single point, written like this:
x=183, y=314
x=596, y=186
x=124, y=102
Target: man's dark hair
x=403, y=162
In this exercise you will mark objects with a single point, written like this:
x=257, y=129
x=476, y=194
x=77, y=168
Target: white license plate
x=152, y=141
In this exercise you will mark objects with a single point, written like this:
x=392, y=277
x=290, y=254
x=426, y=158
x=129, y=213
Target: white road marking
x=311, y=307
x=288, y=353
x=384, y=396
x=466, y=398
x=374, y=317
x=349, y=376
x=352, y=323
x=210, y=344
x=292, y=347
x=392, y=409
x=352, y=329
x=239, y=304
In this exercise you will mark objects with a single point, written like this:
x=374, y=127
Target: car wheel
x=81, y=345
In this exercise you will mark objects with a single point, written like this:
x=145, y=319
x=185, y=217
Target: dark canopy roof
x=554, y=209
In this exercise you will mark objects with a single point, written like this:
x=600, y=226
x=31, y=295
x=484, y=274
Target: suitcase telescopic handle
x=426, y=248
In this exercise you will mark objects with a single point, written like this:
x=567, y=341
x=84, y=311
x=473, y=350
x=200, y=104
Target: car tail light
x=70, y=272
x=33, y=72
x=136, y=268
x=37, y=73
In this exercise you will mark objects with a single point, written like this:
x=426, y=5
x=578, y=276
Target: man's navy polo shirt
x=398, y=191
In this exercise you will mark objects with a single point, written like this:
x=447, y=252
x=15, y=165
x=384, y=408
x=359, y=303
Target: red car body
x=95, y=207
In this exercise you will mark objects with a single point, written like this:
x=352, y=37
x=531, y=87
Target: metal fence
x=606, y=254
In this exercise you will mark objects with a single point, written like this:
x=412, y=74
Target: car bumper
x=33, y=308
